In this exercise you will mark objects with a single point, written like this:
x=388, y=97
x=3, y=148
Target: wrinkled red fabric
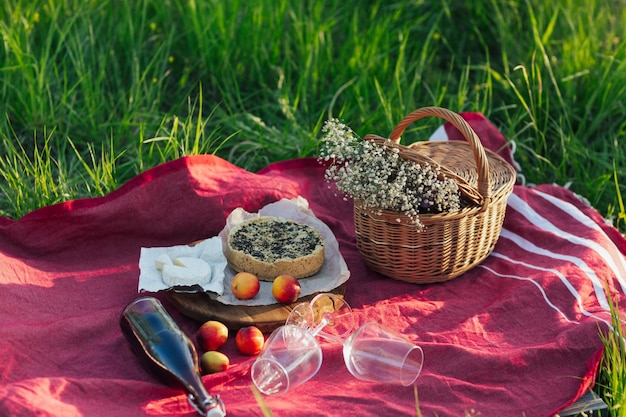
x=517, y=335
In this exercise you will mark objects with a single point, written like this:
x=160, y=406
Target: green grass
x=95, y=92
x=611, y=383
x=130, y=84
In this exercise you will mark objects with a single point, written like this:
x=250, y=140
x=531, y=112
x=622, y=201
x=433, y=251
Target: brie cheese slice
x=186, y=271
x=162, y=260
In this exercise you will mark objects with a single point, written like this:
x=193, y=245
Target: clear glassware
x=378, y=354
x=372, y=352
x=291, y=356
x=327, y=315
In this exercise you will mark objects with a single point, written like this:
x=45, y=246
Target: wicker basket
x=450, y=243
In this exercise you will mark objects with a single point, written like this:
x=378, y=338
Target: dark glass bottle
x=167, y=351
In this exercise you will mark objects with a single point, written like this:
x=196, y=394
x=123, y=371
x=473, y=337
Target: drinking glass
x=327, y=315
x=291, y=356
x=372, y=352
x=378, y=354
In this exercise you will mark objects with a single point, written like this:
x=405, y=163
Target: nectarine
x=212, y=335
x=249, y=340
x=245, y=285
x=286, y=289
x=212, y=362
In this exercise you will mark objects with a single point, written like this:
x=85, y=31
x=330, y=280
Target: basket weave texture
x=450, y=243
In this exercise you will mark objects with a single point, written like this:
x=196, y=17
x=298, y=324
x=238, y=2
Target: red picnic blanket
x=516, y=336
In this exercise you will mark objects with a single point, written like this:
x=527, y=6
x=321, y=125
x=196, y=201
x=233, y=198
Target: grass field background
x=95, y=92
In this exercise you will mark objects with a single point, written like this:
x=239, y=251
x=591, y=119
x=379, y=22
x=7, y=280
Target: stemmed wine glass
x=372, y=352
x=292, y=355
x=377, y=353
x=327, y=315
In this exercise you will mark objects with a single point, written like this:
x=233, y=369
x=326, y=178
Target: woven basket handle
x=480, y=157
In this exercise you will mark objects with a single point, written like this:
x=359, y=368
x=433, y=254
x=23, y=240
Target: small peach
x=249, y=340
x=212, y=362
x=245, y=285
x=286, y=289
x=212, y=335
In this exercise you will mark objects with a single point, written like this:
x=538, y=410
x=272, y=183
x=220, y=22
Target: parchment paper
x=210, y=250
x=333, y=273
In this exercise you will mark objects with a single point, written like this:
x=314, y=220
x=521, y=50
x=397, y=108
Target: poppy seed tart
x=270, y=246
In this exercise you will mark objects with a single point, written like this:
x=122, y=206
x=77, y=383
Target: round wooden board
x=201, y=307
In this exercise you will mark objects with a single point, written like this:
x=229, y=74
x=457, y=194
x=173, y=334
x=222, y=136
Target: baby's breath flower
x=382, y=180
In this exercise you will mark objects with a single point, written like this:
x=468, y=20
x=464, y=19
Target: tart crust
x=270, y=246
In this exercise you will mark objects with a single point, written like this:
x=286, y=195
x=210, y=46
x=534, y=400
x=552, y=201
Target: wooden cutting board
x=201, y=307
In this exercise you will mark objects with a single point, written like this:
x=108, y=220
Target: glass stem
x=317, y=329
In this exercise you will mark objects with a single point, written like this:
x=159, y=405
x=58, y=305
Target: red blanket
x=517, y=335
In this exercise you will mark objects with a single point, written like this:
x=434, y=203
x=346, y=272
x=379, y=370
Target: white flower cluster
x=380, y=179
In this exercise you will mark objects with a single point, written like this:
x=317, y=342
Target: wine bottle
x=167, y=351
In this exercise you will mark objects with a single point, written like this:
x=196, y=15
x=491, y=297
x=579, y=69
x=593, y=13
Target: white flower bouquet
x=380, y=179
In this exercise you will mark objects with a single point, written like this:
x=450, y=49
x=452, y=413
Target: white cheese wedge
x=162, y=260
x=186, y=271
